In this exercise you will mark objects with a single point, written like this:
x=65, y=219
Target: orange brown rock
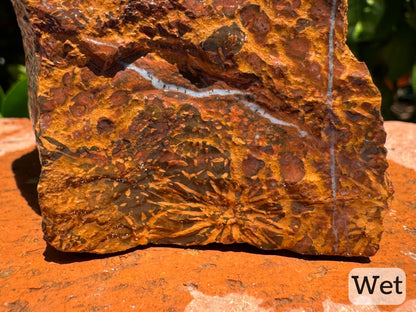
x=187, y=122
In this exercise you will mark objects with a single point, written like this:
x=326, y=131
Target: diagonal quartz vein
x=102, y=43
x=255, y=108
x=160, y=85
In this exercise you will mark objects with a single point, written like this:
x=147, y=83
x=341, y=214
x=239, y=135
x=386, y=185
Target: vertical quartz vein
x=332, y=130
x=344, y=208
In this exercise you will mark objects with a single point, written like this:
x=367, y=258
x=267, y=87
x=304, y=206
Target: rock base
x=35, y=277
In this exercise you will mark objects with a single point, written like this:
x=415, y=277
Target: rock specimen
x=193, y=122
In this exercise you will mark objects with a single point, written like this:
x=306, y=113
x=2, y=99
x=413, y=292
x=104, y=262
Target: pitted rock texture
x=188, y=122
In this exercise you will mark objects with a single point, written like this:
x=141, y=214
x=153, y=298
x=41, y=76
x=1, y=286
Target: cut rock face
x=188, y=122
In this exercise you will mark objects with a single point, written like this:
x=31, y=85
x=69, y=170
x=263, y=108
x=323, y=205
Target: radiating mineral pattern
x=192, y=122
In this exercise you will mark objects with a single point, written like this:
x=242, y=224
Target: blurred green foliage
x=13, y=103
x=382, y=33
x=13, y=79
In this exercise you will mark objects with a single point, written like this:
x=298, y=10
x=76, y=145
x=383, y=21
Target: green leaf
x=15, y=101
x=17, y=71
x=363, y=18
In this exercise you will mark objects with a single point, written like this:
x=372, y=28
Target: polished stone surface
x=188, y=122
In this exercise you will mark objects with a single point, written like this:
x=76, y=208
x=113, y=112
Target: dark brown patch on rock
x=301, y=24
x=354, y=116
x=224, y=43
x=298, y=207
x=78, y=110
x=305, y=245
x=252, y=165
x=288, y=9
x=298, y=48
x=84, y=99
x=291, y=167
x=255, y=62
x=120, y=97
x=254, y=20
x=57, y=97
x=320, y=12
x=104, y=124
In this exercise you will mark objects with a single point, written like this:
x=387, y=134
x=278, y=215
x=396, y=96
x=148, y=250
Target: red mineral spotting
x=194, y=122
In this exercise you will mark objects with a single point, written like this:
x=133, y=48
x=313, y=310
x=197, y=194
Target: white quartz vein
x=102, y=43
x=160, y=85
x=255, y=108
x=332, y=137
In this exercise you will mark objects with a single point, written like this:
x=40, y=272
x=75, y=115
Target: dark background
x=382, y=33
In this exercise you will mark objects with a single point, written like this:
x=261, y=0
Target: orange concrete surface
x=35, y=277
